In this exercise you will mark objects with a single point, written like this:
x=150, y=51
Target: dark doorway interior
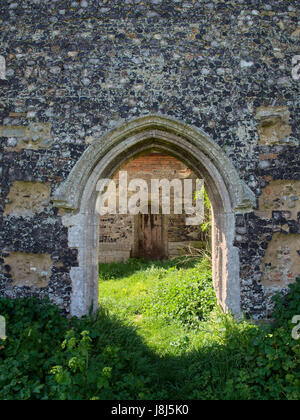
x=151, y=244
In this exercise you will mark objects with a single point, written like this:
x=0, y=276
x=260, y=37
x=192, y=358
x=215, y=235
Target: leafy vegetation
x=207, y=224
x=140, y=345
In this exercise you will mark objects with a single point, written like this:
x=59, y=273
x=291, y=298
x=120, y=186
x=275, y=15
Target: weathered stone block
x=12, y=131
x=35, y=136
x=281, y=264
x=31, y=270
x=281, y=196
x=273, y=124
x=114, y=252
x=26, y=198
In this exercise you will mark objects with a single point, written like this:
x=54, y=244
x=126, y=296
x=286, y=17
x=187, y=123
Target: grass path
x=126, y=291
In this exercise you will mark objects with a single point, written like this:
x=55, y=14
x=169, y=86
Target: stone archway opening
x=162, y=189
x=228, y=194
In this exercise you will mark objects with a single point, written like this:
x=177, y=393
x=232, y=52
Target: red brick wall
x=156, y=166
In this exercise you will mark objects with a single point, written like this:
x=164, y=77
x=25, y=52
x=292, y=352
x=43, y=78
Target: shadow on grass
x=140, y=373
x=119, y=365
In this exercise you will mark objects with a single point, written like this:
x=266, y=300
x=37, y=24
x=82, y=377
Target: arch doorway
x=228, y=194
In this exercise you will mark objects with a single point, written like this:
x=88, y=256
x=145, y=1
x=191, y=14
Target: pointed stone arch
x=228, y=193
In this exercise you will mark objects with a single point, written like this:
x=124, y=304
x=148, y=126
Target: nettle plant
x=287, y=306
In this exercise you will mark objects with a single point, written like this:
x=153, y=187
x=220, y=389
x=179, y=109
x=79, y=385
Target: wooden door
x=151, y=243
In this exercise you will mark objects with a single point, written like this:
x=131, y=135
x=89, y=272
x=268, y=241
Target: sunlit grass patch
x=166, y=301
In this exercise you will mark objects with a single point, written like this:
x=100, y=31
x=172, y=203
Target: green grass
x=150, y=295
x=158, y=335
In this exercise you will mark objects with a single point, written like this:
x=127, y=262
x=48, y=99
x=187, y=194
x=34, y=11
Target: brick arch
x=228, y=193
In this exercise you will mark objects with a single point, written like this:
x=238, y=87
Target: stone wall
x=74, y=70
